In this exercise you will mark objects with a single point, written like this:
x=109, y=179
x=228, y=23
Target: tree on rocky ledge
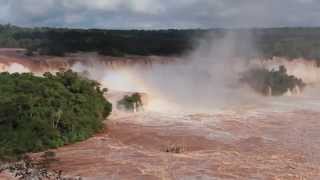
x=130, y=103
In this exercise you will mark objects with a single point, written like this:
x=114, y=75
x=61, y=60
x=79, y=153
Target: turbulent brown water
x=223, y=129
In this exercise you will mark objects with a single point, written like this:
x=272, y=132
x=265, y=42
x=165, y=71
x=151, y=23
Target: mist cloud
x=204, y=80
x=127, y=14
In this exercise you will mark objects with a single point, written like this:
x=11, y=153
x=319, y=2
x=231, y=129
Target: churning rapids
x=222, y=129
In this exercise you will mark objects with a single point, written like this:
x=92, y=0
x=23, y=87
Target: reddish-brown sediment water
x=217, y=134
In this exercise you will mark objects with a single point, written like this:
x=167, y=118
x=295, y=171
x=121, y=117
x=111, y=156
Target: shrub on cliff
x=272, y=82
x=37, y=113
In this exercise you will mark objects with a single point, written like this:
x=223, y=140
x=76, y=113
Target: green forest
x=284, y=42
x=38, y=113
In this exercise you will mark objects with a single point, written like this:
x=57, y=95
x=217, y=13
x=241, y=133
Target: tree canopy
x=37, y=113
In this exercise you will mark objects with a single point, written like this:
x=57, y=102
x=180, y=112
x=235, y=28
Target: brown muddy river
x=239, y=144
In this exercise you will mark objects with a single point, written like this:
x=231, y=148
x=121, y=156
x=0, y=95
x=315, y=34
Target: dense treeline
x=107, y=42
x=287, y=42
x=273, y=83
x=38, y=113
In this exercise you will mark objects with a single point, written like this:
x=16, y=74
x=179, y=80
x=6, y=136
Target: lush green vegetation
x=272, y=82
x=107, y=42
x=37, y=113
x=286, y=42
x=130, y=103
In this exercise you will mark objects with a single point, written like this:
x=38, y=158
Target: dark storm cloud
x=160, y=13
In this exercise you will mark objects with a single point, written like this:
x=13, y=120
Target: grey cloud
x=124, y=14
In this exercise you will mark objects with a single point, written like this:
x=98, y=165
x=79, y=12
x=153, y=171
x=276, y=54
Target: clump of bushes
x=38, y=113
x=274, y=82
x=130, y=103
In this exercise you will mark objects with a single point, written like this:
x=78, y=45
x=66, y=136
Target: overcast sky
x=155, y=14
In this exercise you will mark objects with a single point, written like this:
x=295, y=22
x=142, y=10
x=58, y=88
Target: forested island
x=38, y=113
x=272, y=83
